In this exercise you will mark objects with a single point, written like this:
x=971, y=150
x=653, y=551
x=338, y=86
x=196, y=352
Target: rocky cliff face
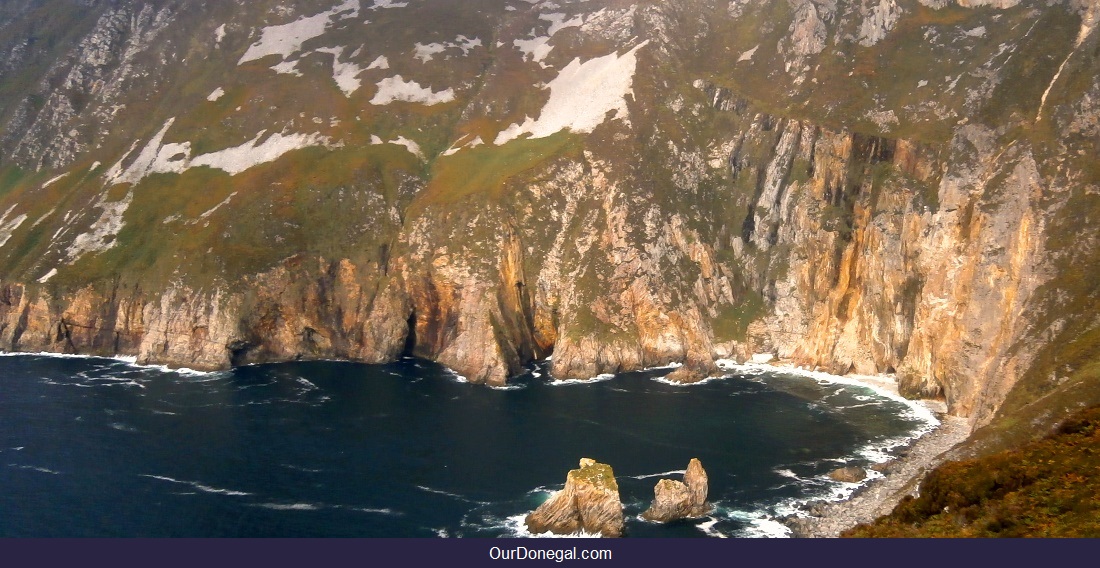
x=589, y=503
x=674, y=500
x=894, y=186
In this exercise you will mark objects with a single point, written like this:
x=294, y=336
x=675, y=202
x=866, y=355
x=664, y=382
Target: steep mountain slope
x=870, y=186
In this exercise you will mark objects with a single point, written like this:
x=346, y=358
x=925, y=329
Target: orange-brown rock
x=589, y=503
x=673, y=500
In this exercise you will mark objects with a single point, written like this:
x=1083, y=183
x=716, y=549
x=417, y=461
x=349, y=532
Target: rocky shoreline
x=879, y=496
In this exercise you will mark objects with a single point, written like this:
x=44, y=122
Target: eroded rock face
x=854, y=227
x=696, y=480
x=673, y=500
x=589, y=503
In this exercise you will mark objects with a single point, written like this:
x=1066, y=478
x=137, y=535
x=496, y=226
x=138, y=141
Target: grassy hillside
x=1048, y=488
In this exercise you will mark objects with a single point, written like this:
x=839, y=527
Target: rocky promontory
x=673, y=500
x=589, y=502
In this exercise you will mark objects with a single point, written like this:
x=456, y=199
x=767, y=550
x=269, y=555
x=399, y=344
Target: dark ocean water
x=104, y=448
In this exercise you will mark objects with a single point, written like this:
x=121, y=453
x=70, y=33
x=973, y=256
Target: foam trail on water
x=516, y=526
x=597, y=379
x=199, y=486
x=664, y=380
x=662, y=474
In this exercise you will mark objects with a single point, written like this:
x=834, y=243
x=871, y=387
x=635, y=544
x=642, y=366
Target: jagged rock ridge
x=589, y=503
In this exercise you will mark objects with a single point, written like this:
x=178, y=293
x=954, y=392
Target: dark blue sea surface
x=104, y=448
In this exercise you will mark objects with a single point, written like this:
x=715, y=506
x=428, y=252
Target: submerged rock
x=589, y=502
x=674, y=500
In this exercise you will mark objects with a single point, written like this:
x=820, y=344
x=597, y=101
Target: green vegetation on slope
x=1048, y=488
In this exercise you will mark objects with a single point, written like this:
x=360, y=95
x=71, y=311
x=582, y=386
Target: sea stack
x=589, y=502
x=673, y=500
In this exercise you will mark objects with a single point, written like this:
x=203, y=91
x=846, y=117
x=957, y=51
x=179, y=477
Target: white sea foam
x=453, y=374
x=593, y=380
x=664, y=367
x=507, y=387
x=708, y=528
x=914, y=409
x=374, y=511
x=451, y=495
x=517, y=527
x=666, y=381
x=199, y=486
x=788, y=473
x=34, y=467
x=306, y=383
x=288, y=506
x=662, y=474
x=761, y=525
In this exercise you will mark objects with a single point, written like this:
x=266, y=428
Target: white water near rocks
x=339, y=449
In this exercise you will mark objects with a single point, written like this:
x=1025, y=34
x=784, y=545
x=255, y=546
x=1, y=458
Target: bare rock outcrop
x=673, y=500
x=589, y=502
x=851, y=474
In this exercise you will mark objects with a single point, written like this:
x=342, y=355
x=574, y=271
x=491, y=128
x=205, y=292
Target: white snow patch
x=217, y=94
x=43, y=217
x=459, y=145
x=219, y=35
x=398, y=89
x=155, y=157
x=425, y=52
x=9, y=227
x=538, y=47
x=467, y=43
x=345, y=74
x=582, y=96
x=535, y=49
x=380, y=63
x=748, y=54
x=211, y=211
x=286, y=39
x=101, y=235
x=287, y=68
x=46, y=278
x=158, y=157
x=412, y=146
x=52, y=180
x=378, y=4
x=976, y=32
x=559, y=23
x=253, y=153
